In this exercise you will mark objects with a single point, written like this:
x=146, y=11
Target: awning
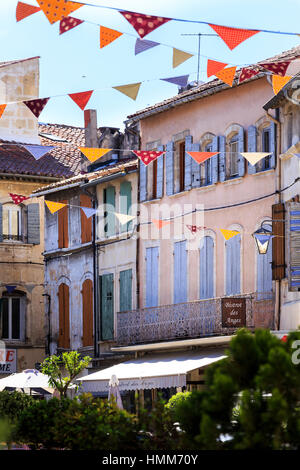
x=148, y=372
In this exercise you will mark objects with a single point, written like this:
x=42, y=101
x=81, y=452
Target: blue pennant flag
x=263, y=238
x=89, y=211
x=38, y=151
x=10, y=289
x=297, y=155
x=142, y=45
x=182, y=80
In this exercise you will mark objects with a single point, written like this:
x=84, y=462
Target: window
x=152, y=171
x=206, y=167
x=12, y=321
x=265, y=145
x=64, y=316
x=179, y=166
x=109, y=216
x=125, y=290
x=233, y=156
x=12, y=222
x=125, y=204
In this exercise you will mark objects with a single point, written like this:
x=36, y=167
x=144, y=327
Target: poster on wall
x=8, y=360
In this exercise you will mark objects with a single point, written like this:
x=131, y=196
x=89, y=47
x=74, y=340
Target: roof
x=208, y=88
x=276, y=100
x=16, y=61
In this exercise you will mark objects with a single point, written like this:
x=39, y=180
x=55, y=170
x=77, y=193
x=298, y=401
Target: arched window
x=233, y=265
x=12, y=223
x=232, y=161
x=207, y=268
x=235, y=143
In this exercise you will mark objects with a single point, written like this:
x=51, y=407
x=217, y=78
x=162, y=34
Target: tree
x=55, y=367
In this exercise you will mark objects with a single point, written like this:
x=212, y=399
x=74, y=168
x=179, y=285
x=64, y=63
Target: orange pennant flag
x=55, y=10
x=160, y=223
x=93, y=154
x=2, y=109
x=278, y=82
x=214, y=66
x=227, y=234
x=233, y=36
x=201, y=157
x=23, y=10
x=227, y=75
x=54, y=206
x=107, y=36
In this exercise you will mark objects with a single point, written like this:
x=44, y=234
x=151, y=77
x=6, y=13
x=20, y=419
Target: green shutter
x=125, y=204
x=107, y=306
x=109, y=200
x=125, y=290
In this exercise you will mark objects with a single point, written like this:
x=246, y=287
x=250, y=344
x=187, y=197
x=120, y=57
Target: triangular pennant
x=214, y=66
x=18, y=198
x=160, y=223
x=2, y=109
x=124, y=218
x=38, y=151
x=233, y=36
x=297, y=154
x=10, y=289
x=89, y=211
x=278, y=68
x=68, y=23
x=82, y=98
x=36, y=106
x=93, y=154
x=227, y=75
x=179, y=57
x=254, y=157
x=142, y=45
x=107, y=36
x=54, y=206
x=147, y=156
x=56, y=10
x=227, y=234
x=182, y=80
x=201, y=157
x=246, y=73
x=23, y=10
x=30, y=287
x=130, y=90
x=144, y=24
x=279, y=82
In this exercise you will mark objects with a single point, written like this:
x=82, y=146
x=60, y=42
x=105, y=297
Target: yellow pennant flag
x=278, y=82
x=179, y=57
x=2, y=109
x=254, y=157
x=93, y=154
x=124, y=218
x=227, y=75
x=228, y=233
x=129, y=90
x=54, y=206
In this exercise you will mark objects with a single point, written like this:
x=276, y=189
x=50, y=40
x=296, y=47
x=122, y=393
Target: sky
x=73, y=62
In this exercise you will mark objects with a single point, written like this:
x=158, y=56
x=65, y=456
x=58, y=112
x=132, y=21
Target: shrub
x=175, y=401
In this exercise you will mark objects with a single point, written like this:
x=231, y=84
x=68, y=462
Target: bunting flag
x=233, y=36
x=201, y=157
x=30, y=287
x=179, y=57
x=124, y=218
x=93, y=154
x=144, y=24
x=36, y=106
x=38, y=151
x=18, y=198
x=89, y=211
x=182, y=80
x=246, y=73
x=227, y=75
x=278, y=68
x=56, y=10
x=254, y=157
x=279, y=82
x=214, y=66
x=23, y=10
x=130, y=90
x=227, y=234
x=160, y=223
x=147, y=156
x=54, y=206
x=194, y=228
x=107, y=36
x=297, y=155
x=68, y=23
x=10, y=289
x=81, y=99
x=142, y=45
x=2, y=109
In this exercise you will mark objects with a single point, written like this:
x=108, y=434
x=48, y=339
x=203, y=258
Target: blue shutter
x=241, y=148
x=273, y=144
x=170, y=168
x=143, y=181
x=222, y=157
x=195, y=168
x=214, y=161
x=233, y=265
x=207, y=268
x=252, y=147
x=160, y=174
x=1, y=228
x=151, y=277
x=180, y=272
x=188, y=163
x=264, y=273
x=33, y=223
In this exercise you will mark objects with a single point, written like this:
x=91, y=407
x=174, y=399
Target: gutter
x=55, y=190
x=34, y=177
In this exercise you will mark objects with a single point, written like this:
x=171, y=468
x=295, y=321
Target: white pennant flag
x=254, y=157
x=124, y=218
x=89, y=211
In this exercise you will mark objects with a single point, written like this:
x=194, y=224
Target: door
x=107, y=306
x=207, y=268
x=125, y=290
x=87, y=313
x=180, y=272
x=64, y=317
x=233, y=265
x=152, y=277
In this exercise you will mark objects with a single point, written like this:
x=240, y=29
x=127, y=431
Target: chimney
x=91, y=137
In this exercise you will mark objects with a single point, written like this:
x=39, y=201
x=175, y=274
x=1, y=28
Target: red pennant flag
x=18, y=198
x=36, y=106
x=233, y=36
x=200, y=157
x=214, y=66
x=147, y=156
x=68, y=23
x=278, y=68
x=144, y=24
x=81, y=99
x=246, y=73
x=23, y=10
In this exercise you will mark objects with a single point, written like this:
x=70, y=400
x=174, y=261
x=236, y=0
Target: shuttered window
x=180, y=272
x=86, y=223
x=125, y=204
x=64, y=317
x=125, y=290
x=109, y=216
x=63, y=226
x=87, y=313
x=107, y=306
x=278, y=245
x=264, y=273
x=233, y=265
x=207, y=268
x=152, y=273
x=13, y=317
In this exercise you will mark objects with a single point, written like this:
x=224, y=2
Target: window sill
x=16, y=243
x=234, y=180
x=207, y=187
x=116, y=237
x=72, y=249
x=263, y=172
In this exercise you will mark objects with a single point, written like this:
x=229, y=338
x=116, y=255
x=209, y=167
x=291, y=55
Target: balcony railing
x=195, y=319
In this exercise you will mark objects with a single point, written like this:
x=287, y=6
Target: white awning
x=155, y=371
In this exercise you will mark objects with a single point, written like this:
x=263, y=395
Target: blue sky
x=74, y=62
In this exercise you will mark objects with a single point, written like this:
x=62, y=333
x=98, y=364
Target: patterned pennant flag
x=129, y=90
x=182, y=80
x=279, y=82
x=54, y=206
x=107, y=36
x=56, y=10
x=2, y=109
x=227, y=234
x=36, y=106
x=200, y=157
x=227, y=75
x=89, y=211
x=147, y=156
x=194, y=228
x=68, y=23
x=278, y=68
x=160, y=223
x=93, y=154
x=233, y=36
x=10, y=289
x=144, y=24
x=38, y=151
x=142, y=45
x=246, y=73
x=179, y=57
x=81, y=99
x=254, y=157
x=23, y=10
x=124, y=218
x=214, y=66
x=18, y=198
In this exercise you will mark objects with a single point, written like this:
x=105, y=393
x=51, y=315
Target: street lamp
x=262, y=238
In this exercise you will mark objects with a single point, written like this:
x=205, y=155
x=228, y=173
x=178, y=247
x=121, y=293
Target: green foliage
x=175, y=400
x=13, y=403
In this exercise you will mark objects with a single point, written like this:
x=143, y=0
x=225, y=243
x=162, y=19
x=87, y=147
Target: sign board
x=8, y=360
x=233, y=312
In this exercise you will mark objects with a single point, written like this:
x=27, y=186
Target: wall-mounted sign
x=233, y=312
x=8, y=361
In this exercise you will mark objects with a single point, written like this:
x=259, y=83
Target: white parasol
x=114, y=391
x=28, y=379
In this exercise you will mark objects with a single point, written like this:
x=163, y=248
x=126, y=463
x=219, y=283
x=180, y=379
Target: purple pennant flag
x=89, y=211
x=180, y=81
x=142, y=45
x=297, y=155
x=38, y=151
x=10, y=289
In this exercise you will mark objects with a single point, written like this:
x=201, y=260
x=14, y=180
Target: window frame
x=9, y=237
x=234, y=140
x=22, y=307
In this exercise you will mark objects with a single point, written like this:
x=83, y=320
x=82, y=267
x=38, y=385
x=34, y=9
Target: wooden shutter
x=180, y=272
x=278, y=245
x=33, y=223
x=125, y=290
x=207, y=268
x=86, y=222
x=109, y=200
x=107, y=306
x=160, y=174
x=170, y=168
x=293, y=245
x=64, y=318
x=63, y=226
x=188, y=163
x=241, y=148
x=1, y=228
x=143, y=181
x=125, y=203
x=252, y=147
x=152, y=273
x=87, y=313
x=233, y=265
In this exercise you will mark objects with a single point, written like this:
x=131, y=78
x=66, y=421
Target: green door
x=107, y=306
x=125, y=290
